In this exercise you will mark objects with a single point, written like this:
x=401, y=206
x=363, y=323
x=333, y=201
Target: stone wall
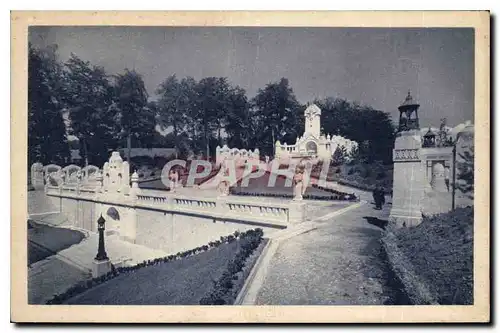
x=169, y=231
x=176, y=232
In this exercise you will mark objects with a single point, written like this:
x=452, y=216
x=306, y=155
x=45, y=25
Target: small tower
x=408, y=114
x=429, y=139
x=313, y=124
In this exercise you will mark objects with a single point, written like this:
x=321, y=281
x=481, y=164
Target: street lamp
x=101, y=252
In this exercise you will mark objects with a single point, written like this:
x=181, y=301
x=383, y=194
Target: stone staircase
x=120, y=253
x=40, y=204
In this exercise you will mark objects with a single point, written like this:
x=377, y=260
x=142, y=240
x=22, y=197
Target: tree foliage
x=372, y=129
x=108, y=114
x=47, y=142
x=277, y=115
x=89, y=95
x=466, y=171
x=135, y=115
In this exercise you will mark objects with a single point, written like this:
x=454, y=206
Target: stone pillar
x=296, y=212
x=101, y=264
x=409, y=180
x=135, y=185
x=79, y=177
x=37, y=176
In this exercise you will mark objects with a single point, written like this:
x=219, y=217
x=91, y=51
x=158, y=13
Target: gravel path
x=340, y=262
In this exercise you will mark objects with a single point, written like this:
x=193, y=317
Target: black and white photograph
x=252, y=166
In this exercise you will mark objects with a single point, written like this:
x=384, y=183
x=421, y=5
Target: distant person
x=382, y=196
x=379, y=197
x=376, y=197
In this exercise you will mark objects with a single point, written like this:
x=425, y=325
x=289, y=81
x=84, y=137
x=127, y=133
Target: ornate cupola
x=429, y=139
x=408, y=114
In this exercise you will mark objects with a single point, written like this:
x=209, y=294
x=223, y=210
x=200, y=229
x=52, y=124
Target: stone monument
x=409, y=173
x=313, y=143
x=116, y=175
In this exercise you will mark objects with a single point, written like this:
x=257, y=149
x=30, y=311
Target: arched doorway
x=113, y=213
x=311, y=148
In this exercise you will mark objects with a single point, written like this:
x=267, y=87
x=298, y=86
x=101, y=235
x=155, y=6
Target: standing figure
x=298, y=179
x=378, y=197
x=174, y=178
x=382, y=196
x=375, y=197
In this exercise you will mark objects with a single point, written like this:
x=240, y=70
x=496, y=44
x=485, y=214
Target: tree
x=47, y=142
x=174, y=105
x=238, y=121
x=212, y=105
x=339, y=156
x=277, y=113
x=88, y=96
x=466, y=171
x=443, y=139
x=372, y=129
x=136, y=118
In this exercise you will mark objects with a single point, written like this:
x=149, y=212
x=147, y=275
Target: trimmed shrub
x=250, y=240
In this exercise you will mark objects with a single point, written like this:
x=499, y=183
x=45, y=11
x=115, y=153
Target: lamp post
x=101, y=252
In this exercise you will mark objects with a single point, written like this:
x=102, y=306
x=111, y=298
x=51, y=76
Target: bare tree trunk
x=206, y=141
x=129, y=146
x=176, y=146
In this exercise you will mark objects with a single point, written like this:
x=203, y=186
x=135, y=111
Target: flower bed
x=225, y=289
x=336, y=195
x=127, y=278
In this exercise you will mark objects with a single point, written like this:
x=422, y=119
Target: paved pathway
x=338, y=261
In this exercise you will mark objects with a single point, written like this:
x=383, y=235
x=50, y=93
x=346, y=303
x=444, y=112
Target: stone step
x=121, y=253
x=39, y=203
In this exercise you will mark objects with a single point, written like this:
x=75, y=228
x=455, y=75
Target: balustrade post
x=296, y=212
x=135, y=185
x=221, y=205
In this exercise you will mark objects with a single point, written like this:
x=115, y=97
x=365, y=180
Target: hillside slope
x=435, y=259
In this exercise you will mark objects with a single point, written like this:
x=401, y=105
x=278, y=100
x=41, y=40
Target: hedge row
x=343, y=196
x=222, y=287
x=360, y=186
x=86, y=285
x=346, y=196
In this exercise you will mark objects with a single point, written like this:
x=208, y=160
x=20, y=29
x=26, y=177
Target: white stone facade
x=423, y=176
x=313, y=143
x=239, y=156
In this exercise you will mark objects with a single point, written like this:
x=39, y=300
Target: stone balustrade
x=223, y=208
x=111, y=187
x=151, y=199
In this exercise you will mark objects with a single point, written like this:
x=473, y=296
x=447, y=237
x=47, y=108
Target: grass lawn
x=179, y=282
x=44, y=240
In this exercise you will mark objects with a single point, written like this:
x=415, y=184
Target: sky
x=373, y=66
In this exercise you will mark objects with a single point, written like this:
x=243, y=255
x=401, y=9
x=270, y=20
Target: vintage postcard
x=242, y=167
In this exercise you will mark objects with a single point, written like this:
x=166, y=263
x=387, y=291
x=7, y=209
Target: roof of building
x=409, y=100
